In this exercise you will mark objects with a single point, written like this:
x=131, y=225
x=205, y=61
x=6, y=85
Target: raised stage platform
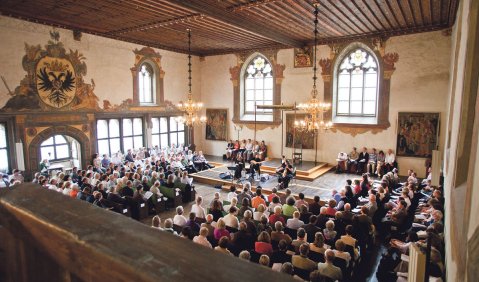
x=308, y=180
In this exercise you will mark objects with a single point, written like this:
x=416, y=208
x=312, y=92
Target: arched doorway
x=63, y=145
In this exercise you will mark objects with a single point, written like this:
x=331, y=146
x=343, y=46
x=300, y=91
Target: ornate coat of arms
x=54, y=80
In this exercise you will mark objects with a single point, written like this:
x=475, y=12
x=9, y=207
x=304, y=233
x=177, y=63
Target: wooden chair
x=143, y=210
x=298, y=156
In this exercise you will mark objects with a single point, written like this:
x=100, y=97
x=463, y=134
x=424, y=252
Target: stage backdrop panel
x=418, y=134
x=217, y=124
x=301, y=137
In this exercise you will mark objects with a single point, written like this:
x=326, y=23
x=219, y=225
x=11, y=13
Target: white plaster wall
x=108, y=61
x=420, y=83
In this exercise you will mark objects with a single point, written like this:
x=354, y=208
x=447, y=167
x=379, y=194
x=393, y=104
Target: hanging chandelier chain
x=189, y=60
x=316, y=11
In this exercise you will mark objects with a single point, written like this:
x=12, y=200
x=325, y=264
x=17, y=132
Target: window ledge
x=355, y=120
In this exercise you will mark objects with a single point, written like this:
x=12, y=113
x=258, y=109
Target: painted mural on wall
x=418, y=134
x=301, y=138
x=303, y=57
x=217, y=124
x=54, y=80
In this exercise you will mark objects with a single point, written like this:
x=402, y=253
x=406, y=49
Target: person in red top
x=357, y=187
x=276, y=216
x=331, y=211
x=273, y=193
x=256, y=201
x=263, y=245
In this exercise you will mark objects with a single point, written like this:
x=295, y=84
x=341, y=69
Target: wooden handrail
x=84, y=242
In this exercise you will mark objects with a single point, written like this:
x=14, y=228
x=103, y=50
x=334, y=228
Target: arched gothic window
x=258, y=85
x=357, y=85
x=146, y=84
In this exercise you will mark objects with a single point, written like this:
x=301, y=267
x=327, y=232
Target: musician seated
x=239, y=166
x=286, y=175
x=342, y=160
x=255, y=165
x=282, y=166
x=362, y=161
x=248, y=150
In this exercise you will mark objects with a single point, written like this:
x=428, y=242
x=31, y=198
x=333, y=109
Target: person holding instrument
x=239, y=166
x=255, y=165
x=286, y=175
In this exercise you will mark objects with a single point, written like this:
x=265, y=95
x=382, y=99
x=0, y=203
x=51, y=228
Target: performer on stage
x=286, y=175
x=342, y=159
x=239, y=166
x=255, y=165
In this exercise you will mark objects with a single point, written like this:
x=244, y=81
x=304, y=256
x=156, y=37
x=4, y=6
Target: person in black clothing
x=362, y=160
x=242, y=240
x=311, y=228
x=315, y=207
x=129, y=157
x=216, y=210
x=365, y=186
x=127, y=190
x=255, y=165
x=286, y=175
x=280, y=256
x=322, y=219
x=239, y=166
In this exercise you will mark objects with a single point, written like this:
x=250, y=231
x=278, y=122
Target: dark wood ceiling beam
x=304, y=21
x=367, y=27
x=391, y=12
x=322, y=23
x=264, y=17
x=340, y=20
x=285, y=22
x=236, y=20
x=367, y=14
x=401, y=12
x=411, y=12
x=249, y=5
x=373, y=13
x=157, y=24
x=379, y=8
x=418, y=8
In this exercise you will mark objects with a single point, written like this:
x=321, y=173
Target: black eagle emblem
x=57, y=85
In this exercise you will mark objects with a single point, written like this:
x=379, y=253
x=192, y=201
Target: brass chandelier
x=314, y=107
x=190, y=107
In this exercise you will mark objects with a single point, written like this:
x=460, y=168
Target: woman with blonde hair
x=318, y=245
x=259, y=212
x=220, y=230
x=198, y=209
x=156, y=222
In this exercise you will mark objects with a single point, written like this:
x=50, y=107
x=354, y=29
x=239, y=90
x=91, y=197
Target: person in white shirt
x=260, y=211
x=342, y=162
x=294, y=223
x=230, y=219
x=234, y=203
x=179, y=218
x=67, y=188
x=116, y=159
x=232, y=194
x=198, y=209
x=389, y=160
x=201, y=238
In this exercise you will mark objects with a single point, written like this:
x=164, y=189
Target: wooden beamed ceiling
x=229, y=26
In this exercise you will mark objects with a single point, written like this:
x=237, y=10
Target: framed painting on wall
x=217, y=124
x=303, y=57
x=418, y=134
x=304, y=138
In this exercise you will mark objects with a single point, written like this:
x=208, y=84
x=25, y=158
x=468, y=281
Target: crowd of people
x=320, y=241
x=372, y=162
x=312, y=240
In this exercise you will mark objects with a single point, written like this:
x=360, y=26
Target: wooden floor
x=321, y=186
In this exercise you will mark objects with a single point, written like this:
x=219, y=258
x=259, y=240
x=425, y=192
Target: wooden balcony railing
x=46, y=236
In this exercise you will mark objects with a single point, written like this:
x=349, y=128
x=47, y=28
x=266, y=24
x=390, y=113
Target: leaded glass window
x=145, y=83
x=357, y=85
x=258, y=85
x=167, y=131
